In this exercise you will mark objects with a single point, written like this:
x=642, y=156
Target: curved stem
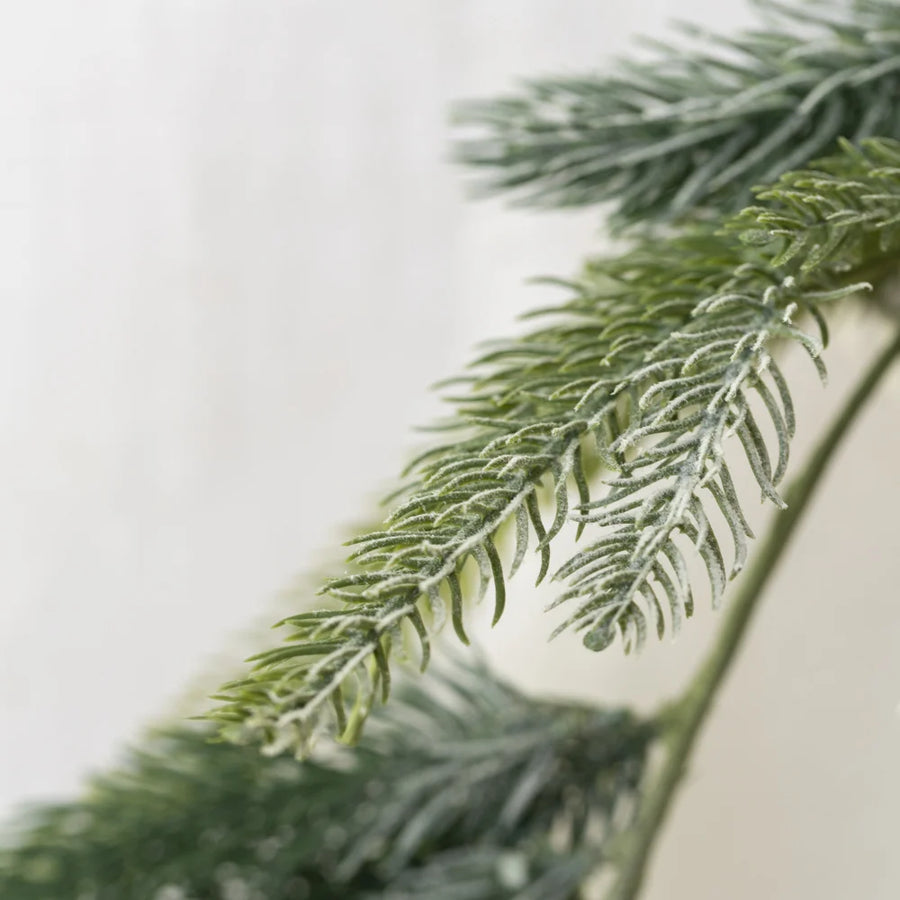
x=684, y=720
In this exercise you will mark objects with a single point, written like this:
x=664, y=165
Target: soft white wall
x=233, y=256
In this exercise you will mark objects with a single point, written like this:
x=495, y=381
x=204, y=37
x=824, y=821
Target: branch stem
x=684, y=720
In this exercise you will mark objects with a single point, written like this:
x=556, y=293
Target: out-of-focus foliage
x=694, y=129
x=466, y=789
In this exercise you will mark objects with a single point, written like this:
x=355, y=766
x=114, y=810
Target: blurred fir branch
x=694, y=130
x=662, y=354
x=462, y=789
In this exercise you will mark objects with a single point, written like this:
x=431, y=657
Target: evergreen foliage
x=656, y=360
x=693, y=131
x=621, y=414
x=453, y=794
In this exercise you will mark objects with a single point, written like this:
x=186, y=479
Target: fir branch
x=655, y=359
x=685, y=719
x=693, y=130
x=821, y=228
x=460, y=784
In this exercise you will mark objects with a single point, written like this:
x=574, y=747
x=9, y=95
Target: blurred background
x=234, y=253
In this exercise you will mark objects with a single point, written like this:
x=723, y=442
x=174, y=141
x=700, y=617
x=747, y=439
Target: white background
x=232, y=256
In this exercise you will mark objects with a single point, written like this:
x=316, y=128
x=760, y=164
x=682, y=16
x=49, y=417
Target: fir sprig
x=694, y=130
x=459, y=785
x=817, y=229
x=655, y=360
